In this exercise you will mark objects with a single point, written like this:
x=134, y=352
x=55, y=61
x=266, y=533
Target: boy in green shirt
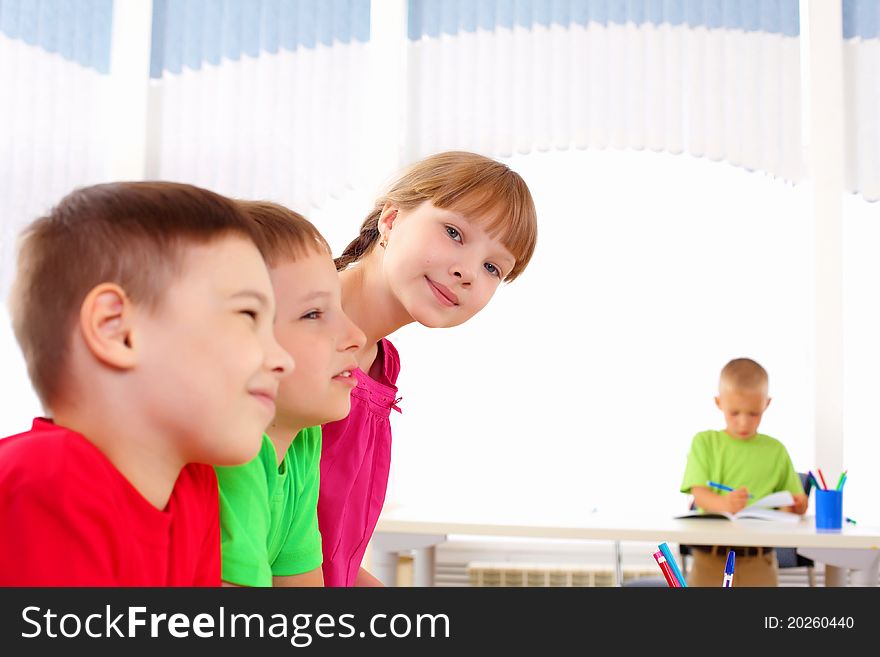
x=269, y=506
x=752, y=463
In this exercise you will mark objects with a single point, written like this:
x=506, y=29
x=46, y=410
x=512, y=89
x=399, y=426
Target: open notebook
x=761, y=509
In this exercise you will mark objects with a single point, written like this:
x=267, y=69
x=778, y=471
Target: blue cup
x=829, y=510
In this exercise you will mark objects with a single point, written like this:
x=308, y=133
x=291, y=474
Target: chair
x=787, y=557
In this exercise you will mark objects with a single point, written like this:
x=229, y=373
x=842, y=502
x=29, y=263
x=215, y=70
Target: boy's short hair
x=744, y=374
x=282, y=235
x=132, y=234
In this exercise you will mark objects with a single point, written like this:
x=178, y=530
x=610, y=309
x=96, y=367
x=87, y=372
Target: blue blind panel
x=861, y=18
x=434, y=17
x=77, y=30
x=188, y=33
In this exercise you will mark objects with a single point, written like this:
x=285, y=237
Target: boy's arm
x=244, y=524
x=364, y=578
x=299, y=561
x=708, y=500
x=800, y=504
x=312, y=578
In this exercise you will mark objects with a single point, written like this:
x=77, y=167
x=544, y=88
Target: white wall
x=583, y=381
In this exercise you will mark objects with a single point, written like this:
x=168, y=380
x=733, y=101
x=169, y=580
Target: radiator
x=521, y=562
x=482, y=573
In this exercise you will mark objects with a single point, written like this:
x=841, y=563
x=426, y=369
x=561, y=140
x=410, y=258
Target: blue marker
x=728, y=570
x=672, y=564
x=715, y=484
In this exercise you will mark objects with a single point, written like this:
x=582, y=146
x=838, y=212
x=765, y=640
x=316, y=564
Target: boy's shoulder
x=51, y=467
x=59, y=460
x=718, y=436
x=44, y=451
x=709, y=436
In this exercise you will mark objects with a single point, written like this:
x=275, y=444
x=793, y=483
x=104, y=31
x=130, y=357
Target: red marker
x=824, y=485
x=671, y=579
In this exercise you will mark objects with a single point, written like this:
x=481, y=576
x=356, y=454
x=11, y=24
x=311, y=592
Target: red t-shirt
x=69, y=518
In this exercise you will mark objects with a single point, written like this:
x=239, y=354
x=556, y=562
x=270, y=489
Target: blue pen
x=715, y=484
x=728, y=569
x=673, y=565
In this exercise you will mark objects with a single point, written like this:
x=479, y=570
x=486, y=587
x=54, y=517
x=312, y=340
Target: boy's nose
x=281, y=362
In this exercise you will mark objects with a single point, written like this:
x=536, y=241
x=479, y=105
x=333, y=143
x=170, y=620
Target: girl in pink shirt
x=433, y=250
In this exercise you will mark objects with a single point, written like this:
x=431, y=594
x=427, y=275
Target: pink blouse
x=355, y=462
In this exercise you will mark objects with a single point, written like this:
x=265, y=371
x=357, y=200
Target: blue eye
x=453, y=233
x=492, y=269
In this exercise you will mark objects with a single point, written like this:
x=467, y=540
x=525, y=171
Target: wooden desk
x=422, y=528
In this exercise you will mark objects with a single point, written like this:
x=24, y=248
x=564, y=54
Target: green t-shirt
x=760, y=463
x=269, y=513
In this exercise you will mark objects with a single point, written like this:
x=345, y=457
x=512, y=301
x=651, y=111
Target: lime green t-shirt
x=269, y=513
x=760, y=463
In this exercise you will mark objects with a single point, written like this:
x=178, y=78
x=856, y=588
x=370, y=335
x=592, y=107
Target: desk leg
x=424, y=560
x=384, y=565
x=386, y=546
x=618, y=565
x=835, y=575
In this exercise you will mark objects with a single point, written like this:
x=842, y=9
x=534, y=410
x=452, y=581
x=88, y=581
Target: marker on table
x=715, y=484
x=728, y=569
x=850, y=520
x=670, y=560
x=671, y=581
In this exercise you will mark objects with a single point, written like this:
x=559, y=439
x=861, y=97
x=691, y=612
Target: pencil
x=822, y=477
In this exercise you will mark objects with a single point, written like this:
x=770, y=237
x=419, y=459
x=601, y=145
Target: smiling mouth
x=346, y=377
x=443, y=294
x=266, y=399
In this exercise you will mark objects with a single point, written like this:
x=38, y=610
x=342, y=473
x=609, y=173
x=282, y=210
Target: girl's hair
x=470, y=184
x=282, y=235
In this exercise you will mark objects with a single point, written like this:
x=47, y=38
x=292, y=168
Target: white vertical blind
x=715, y=79
x=258, y=99
x=54, y=65
x=861, y=61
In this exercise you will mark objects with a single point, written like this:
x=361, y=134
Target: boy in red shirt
x=144, y=312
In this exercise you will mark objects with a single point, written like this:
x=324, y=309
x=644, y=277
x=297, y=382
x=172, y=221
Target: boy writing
x=144, y=312
x=269, y=507
x=751, y=463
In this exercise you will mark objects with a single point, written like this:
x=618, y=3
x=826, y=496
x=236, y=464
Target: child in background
x=144, y=312
x=433, y=250
x=750, y=462
x=269, y=515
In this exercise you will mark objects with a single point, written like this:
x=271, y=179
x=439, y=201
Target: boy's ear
x=769, y=399
x=105, y=321
x=718, y=402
